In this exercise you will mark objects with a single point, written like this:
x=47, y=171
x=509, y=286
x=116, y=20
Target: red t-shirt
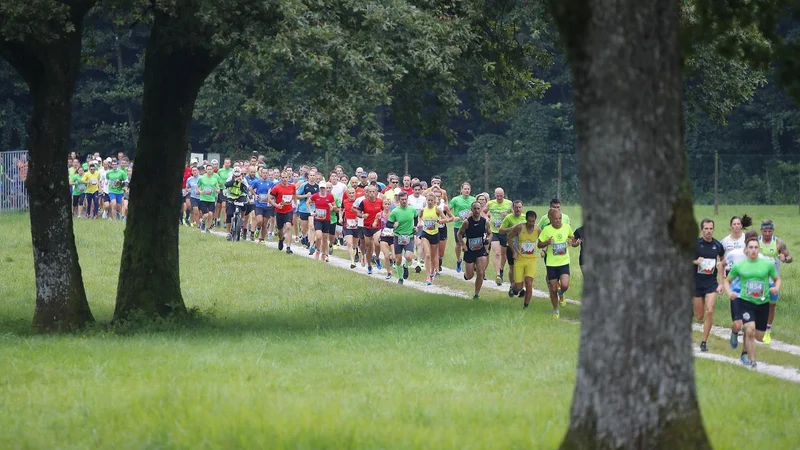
x=283, y=194
x=323, y=206
x=407, y=190
x=372, y=210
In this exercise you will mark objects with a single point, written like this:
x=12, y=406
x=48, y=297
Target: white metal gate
x=13, y=172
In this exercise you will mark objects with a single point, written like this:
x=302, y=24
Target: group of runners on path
x=396, y=227
x=746, y=266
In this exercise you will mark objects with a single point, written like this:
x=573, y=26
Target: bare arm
x=783, y=252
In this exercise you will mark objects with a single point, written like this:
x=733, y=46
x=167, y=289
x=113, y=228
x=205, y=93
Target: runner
x=304, y=192
x=524, y=239
x=208, y=185
x=418, y=201
x=351, y=231
x=334, y=229
x=754, y=275
x=579, y=239
x=447, y=217
x=369, y=209
x=461, y=206
x=194, y=196
x=222, y=177
x=554, y=204
x=402, y=219
x=322, y=203
x=555, y=238
x=116, y=177
x=498, y=209
x=92, y=181
x=776, y=252
x=708, y=277
x=78, y=190
x=287, y=194
x=387, y=237
x=475, y=228
x=264, y=211
x=509, y=222
x=429, y=219
x=734, y=252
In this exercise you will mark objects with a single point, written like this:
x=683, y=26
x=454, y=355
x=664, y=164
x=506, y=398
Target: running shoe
x=511, y=292
x=734, y=339
x=405, y=272
x=745, y=359
x=316, y=256
x=754, y=365
x=521, y=293
x=280, y=244
x=399, y=281
x=499, y=280
x=378, y=263
x=458, y=266
x=476, y=296
x=352, y=264
x=556, y=315
x=289, y=250
x=430, y=280
x=252, y=236
x=767, y=338
x=562, y=302
x=311, y=250
x=388, y=276
x=369, y=270
x=208, y=231
x=229, y=237
x=363, y=260
x=525, y=305
x=203, y=226
x=703, y=346
x=417, y=269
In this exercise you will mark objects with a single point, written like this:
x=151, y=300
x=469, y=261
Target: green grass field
x=291, y=353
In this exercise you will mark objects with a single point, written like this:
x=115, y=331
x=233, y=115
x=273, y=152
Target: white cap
x=214, y=161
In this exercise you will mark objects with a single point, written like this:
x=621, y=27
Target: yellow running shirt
x=557, y=254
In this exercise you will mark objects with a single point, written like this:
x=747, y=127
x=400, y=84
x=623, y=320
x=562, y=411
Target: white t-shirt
x=734, y=250
x=417, y=203
x=103, y=181
x=338, y=189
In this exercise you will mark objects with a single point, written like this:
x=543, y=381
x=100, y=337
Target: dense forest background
x=743, y=116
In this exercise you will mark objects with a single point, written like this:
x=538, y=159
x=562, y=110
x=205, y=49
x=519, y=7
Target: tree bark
x=50, y=68
x=178, y=60
x=635, y=384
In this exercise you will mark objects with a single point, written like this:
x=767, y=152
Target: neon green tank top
x=430, y=219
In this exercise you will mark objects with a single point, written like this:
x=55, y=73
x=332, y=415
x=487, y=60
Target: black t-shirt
x=579, y=235
x=310, y=188
x=706, y=273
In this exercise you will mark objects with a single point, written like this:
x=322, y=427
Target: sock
x=769, y=327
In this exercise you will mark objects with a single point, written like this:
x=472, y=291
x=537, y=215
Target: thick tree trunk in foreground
x=176, y=64
x=49, y=69
x=635, y=385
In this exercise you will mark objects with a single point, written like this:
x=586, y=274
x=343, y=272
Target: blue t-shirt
x=302, y=206
x=191, y=184
x=261, y=189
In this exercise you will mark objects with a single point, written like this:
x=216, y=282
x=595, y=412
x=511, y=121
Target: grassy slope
x=331, y=360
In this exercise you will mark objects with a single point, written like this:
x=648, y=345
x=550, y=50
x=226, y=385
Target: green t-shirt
x=206, y=185
x=496, y=210
x=403, y=219
x=223, y=175
x=461, y=207
x=85, y=167
x=754, y=279
x=334, y=214
x=512, y=220
x=545, y=221
x=79, y=187
x=557, y=254
x=115, y=179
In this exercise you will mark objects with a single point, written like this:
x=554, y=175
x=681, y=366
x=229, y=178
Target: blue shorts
x=736, y=287
x=116, y=198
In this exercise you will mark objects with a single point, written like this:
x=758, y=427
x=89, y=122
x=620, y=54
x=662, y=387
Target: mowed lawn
x=291, y=353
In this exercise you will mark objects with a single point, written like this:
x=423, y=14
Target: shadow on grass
x=307, y=317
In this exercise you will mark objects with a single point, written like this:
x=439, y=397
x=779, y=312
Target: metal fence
x=13, y=172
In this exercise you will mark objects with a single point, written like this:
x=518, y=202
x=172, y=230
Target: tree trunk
x=635, y=384
x=50, y=69
x=176, y=64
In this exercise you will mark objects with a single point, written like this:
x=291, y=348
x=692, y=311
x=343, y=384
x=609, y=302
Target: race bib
x=429, y=225
x=387, y=232
x=497, y=222
x=185, y=192
x=559, y=249
x=755, y=289
x=707, y=266
x=207, y=191
x=81, y=188
x=464, y=214
x=94, y=182
x=527, y=248
x=403, y=239
x=319, y=214
x=263, y=198
x=287, y=198
x=475, y=243
x=352, y=224
x=117, y=183
x=361, y=221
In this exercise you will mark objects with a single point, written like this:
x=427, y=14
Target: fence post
x=558, y=184
x=716, y=183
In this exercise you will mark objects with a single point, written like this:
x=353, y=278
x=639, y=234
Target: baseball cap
x=214, y=161
x=194, y=161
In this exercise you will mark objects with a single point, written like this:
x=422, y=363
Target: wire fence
x=13, y=172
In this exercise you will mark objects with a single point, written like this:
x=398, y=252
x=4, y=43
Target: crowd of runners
x=401, y=226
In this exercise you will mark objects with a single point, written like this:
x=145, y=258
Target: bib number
x=464, y=214
x=81, y=188
x=755, y=289
x=287, y=199
x=403, y=239
x=527, y=248
x=263, y=198
x=352, y=224
x=706, y=267
x=475, y=243
x=429, y=225
x=387, y=232
x=361, y=222
x=319, y=214
x=207, y=191
x=560, y=249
